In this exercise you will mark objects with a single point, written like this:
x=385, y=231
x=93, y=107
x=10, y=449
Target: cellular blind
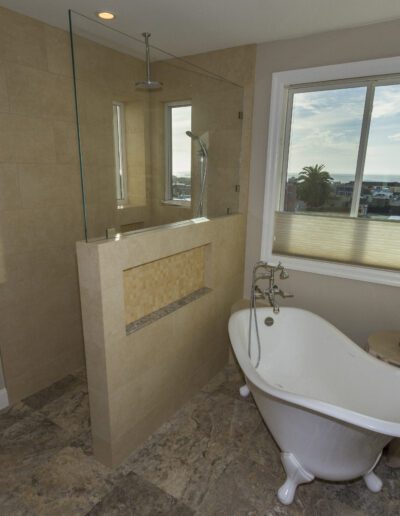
x=357, y=241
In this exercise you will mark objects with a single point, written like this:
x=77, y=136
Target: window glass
x=180, y=152
x=323, y=148
x=380, y=195
x=119, y=151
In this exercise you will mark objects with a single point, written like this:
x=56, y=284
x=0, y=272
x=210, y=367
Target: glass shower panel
x=151, y=157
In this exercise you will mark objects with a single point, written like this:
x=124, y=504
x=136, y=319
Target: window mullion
x=285, y=159
x=362, y=150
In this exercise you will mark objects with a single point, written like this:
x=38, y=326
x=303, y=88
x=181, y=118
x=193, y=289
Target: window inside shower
x=120, y=152
x=178, y=181
x=160, y=141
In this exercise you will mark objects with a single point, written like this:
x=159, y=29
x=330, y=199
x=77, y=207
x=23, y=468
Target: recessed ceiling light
x=106, y=15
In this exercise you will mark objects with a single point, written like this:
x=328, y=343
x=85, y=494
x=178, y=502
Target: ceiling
x=185, y=27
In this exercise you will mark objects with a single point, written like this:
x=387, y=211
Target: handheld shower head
x=201, y=143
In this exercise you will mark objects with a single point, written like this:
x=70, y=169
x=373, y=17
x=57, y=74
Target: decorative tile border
x=165, y=310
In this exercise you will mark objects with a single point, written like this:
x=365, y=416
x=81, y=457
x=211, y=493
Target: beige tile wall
x=103, y=76
x=154, y=285
x=40, y=199
x=215, y=108
x=137, y=381
x=40, y=207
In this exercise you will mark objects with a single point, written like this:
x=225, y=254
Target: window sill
x=339, y=270
x=176, y=203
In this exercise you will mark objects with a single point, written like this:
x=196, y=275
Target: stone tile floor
x=214, y=457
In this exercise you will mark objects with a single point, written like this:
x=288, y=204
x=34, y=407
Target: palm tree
x=314, y=186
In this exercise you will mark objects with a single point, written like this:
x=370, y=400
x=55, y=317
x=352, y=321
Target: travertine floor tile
x=137, y=497
x=214, y=457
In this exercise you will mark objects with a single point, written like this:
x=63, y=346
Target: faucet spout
x=268, y=273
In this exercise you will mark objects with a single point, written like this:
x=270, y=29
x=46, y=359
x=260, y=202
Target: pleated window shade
x=339, y=239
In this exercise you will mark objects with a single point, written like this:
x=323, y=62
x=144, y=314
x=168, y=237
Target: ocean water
x=345, y=178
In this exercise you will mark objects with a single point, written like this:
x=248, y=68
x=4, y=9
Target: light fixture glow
x=106, y=15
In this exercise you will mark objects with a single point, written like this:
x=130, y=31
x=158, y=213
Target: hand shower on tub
x=267, y=273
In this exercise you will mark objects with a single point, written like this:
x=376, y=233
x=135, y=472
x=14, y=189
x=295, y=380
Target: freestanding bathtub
x=330, y=406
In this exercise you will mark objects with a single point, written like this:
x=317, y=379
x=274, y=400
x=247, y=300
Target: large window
x=178, y=121
x=332, y=198
x=342, y=149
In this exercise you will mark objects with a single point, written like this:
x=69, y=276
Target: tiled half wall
x=138, y=379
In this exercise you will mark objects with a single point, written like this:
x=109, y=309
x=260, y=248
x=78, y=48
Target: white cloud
x=394, y=137
x=387, y=101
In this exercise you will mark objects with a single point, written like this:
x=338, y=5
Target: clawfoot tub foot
x=296, y=475
x=244, y=391
x=373, y=482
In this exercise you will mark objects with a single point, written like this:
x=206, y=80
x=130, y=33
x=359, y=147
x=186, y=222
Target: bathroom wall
x=216, y=106
x=357, y=308
x=138, y=380
x=105, y=76
x=40, y=207
x=40, y=199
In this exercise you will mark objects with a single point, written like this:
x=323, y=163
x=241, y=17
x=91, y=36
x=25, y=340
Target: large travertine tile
x=70, y=411
x=137, y=497
x=9, y=187
x=58, y=51
x=48, y=185
x=4, y=104
x=34, y=92
x=49, y=394
x=245, y=487
x=36, y=145
x=195, y=446
x=22, y=40
x=69, y=483
x=13, y=414
x=26, y=444
x=65, y=142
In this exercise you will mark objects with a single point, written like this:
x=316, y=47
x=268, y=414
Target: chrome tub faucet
x=265, y=271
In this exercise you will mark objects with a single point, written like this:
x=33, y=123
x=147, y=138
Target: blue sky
x=326, y=128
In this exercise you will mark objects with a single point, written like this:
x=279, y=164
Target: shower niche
x=160, y=137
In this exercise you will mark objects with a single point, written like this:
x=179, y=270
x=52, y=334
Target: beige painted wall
x=40, y=207
x=137, y=381
x=357, y=308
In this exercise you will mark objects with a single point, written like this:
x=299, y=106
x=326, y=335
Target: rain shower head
x=148, y=84
x=201, y=143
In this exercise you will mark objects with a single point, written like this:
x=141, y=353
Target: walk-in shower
x=137, y=105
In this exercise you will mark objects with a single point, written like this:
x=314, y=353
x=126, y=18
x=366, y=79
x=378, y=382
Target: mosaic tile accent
x=157, y=284
x=165, y=310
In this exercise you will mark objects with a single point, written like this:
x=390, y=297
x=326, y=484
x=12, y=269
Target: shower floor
x=214, y=457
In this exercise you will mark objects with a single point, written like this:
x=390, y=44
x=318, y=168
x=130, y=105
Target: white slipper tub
x=330, y=406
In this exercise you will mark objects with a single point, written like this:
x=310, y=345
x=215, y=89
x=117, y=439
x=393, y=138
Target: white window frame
x=121, y=175
x=273, y=182
x=168, y=153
